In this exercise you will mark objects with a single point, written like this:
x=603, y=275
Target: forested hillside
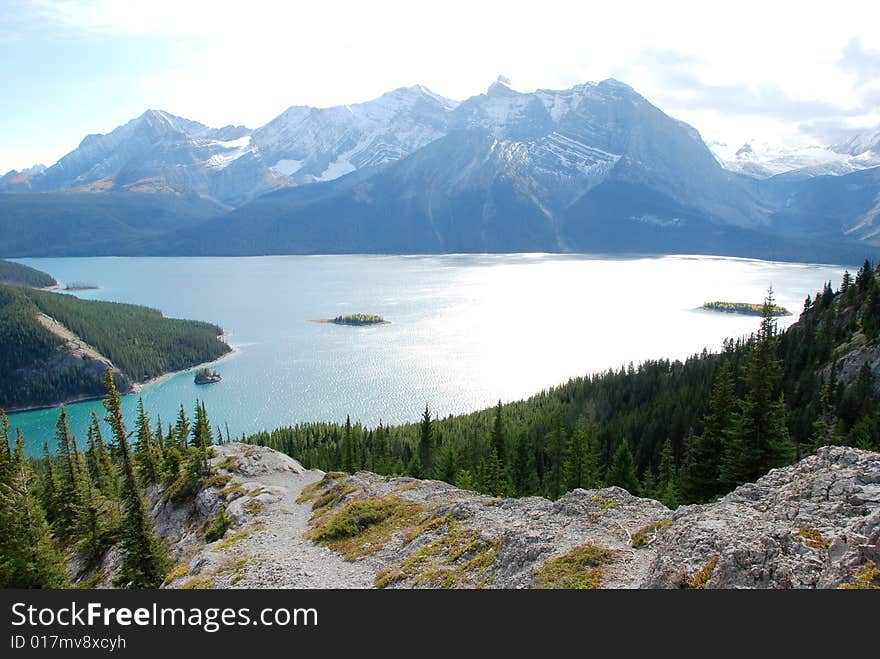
x=39, y=369
x=679, y=431
x=16, y=274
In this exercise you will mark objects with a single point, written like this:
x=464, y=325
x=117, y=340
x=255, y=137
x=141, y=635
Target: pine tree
x=758, y=440
x=426, y=443
x=348, y=453
x=5, y=448
x=146, y=458
x=144, y=558
x=557, y=443
x=181, y=429
x=98, y=460
x=50, y=490
x=28, y=558
x=197, y=465
x=580, y=468
x=498, y=442
x=667, y=477
x=524, y=472
x=701, y=478
x=623, y=470
x=69, y=491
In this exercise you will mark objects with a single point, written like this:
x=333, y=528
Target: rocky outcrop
x=815, y=524
x=812, y=525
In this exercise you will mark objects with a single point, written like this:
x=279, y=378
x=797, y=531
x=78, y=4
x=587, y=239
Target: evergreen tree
x=68, y=502
x=144, y=558
x=198, y=467
x=146, y=457
x=498, y=442
x=524, y=473
x=623, y=470
x=98, y=460
x=667, y=477
x=348, y=452
x=28, y=558
x=181, y=429
x=426, y=442
x=557, y=443
x=758, y=440
x=5, y=448
x=580, y=467
x=50, y=490
x=701, y=478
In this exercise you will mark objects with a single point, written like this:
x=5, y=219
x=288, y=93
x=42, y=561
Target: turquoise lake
x=465, y=331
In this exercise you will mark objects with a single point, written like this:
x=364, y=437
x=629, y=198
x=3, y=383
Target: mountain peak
x=501, y=86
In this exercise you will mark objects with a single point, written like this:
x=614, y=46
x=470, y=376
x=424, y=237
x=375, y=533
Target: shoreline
x=136, y=387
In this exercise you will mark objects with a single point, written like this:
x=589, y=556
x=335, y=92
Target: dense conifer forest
x=79, y=501
x=678, y=431
x=140, y=342
x=16, y=274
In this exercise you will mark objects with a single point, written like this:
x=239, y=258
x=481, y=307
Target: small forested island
x=80, y=286
x=355, y=319
x=207, y=376
x=745, y=308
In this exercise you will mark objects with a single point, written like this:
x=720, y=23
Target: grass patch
x=218, y=526
x=230, y=539
x=180, y=571
x=365, y=526
x=324, y=501
x=643, y=536
x=233, y=567
x=198, y=583
x=229, y=463
x=866, y=577
x=701, y=578
x=253, y=507
x=812, y=538
x=579, y=569
x=457, y=559
x=605, y=503
x=232, y=491
x=218, y=480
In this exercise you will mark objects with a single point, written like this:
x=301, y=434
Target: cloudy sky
x=773, y=71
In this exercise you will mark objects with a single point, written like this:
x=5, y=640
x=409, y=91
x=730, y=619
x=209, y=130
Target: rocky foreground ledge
x=815, y=524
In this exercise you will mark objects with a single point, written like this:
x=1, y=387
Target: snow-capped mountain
x=595, y=167
x=308, y=144
x=762, y=160
x=156, y=152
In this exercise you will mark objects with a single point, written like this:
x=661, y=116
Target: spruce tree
x=50, y=490
x=667, y=477
x=144, y=558
x=758, y=440
x=347, y=450
x=181, y=429
x=28, y=558
x=623, y=470
x=556, y=442
x=146, y=457
x=68, y=494
x=580, y=468
x=426, y=443
x=99, y=462
x=498, y=442
x=701, y=478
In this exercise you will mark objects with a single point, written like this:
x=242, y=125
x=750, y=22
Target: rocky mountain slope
x=814, y=524
x=595, y=167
